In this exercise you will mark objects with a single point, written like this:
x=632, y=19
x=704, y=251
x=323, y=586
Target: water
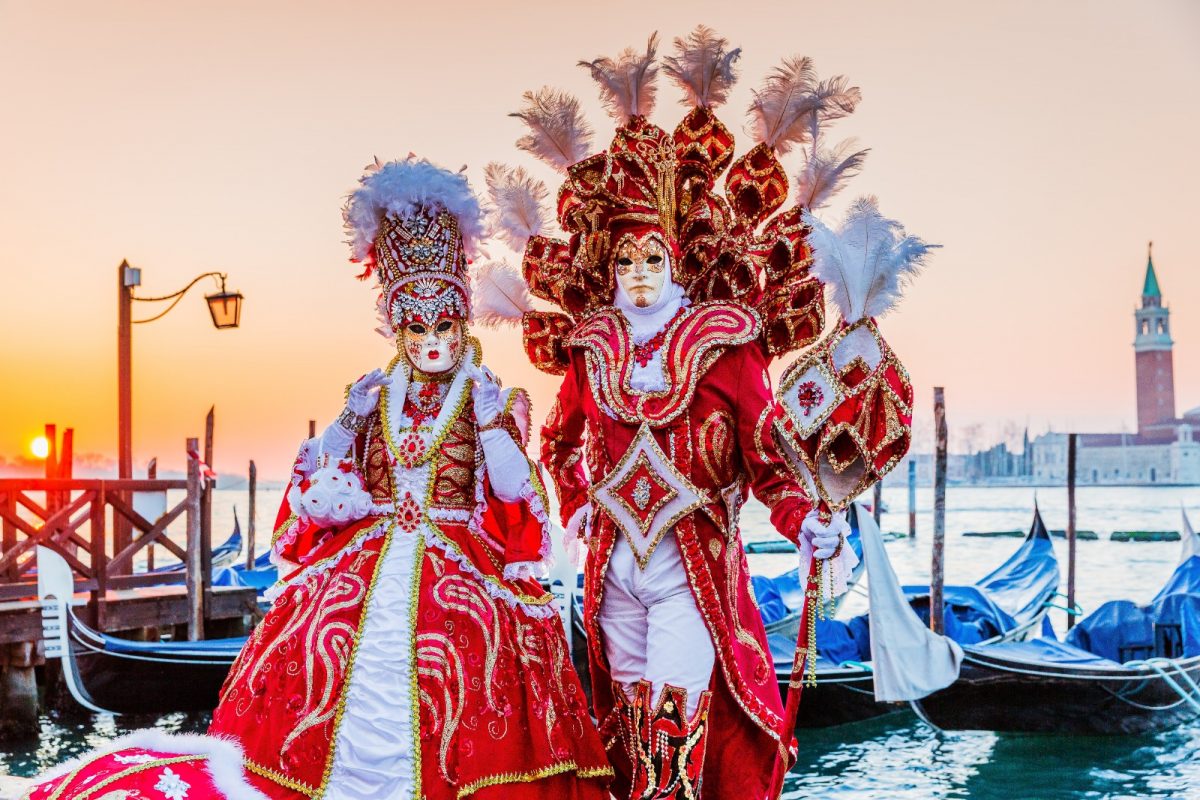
x=898, y=757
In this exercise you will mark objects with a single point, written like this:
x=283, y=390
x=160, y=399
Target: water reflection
x=895, y=757
x=900, y=757
x=67, y=736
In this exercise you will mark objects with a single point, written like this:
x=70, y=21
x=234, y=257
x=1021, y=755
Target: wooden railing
x=73, y=521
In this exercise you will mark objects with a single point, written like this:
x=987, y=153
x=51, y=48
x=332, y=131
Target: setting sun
x=40, y=447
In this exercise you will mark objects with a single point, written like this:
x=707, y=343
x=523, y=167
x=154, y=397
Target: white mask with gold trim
x=436, y=348
x=643, y=268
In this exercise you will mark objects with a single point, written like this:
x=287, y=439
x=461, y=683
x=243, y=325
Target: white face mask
x=643, y=268
x=436, y=348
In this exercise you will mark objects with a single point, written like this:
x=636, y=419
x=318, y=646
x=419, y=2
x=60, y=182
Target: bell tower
x=1152, y=349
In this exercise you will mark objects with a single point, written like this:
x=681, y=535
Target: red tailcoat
x=714, y=421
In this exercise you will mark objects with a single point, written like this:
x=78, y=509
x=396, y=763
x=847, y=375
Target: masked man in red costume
x=409, y=652
x=673, y=300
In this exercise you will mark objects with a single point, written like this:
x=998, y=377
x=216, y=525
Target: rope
x=1160, y=665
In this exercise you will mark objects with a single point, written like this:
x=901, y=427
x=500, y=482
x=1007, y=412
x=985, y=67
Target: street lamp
x=225, y=308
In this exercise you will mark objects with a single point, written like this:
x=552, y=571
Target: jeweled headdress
x=730, y=244
x=414, y=226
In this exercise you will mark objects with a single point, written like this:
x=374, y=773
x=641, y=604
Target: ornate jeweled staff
x=848, y=400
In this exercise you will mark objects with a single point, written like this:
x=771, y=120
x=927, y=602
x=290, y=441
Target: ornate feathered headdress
x=729, y=246
x=415, y=226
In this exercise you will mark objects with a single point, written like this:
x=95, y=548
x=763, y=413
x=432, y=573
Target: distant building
x=1166, y=448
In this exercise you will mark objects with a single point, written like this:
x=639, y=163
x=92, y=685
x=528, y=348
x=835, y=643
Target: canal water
x=898, y=757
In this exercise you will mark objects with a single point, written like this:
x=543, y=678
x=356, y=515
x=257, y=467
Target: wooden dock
x=100, y=528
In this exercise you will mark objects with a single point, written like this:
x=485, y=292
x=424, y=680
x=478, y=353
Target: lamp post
x=225, y=308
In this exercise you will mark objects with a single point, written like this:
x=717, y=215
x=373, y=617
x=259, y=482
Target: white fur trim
x=224, y=758
x=405, y=188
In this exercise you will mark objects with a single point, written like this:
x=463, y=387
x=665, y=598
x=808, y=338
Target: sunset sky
x=1043, y=144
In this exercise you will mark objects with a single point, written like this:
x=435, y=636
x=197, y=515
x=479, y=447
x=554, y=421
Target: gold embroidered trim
x=280, y=778
x=414, y=595
x=435, y=445
x=521, y=597
x=610, y=391
x=768, y=722
x=125, y=773
x=535, y=775
x=644, y=434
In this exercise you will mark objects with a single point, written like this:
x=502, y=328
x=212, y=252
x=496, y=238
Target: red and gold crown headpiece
x=733, y=244
x=413, y=224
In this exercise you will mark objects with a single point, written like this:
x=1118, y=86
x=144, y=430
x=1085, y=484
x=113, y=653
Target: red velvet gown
x=404, y=657
x=324, y=693
x=714, y=419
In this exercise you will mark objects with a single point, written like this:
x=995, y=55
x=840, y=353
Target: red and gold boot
x=669, y=755
x=620, y=738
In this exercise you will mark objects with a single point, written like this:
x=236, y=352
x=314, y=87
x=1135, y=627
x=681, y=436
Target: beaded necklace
x=423, y=401
x=642, y=353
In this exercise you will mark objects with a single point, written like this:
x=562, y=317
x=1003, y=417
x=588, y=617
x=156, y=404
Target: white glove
x=364, y=392
x=577, y=533
x=362, y=399
x=824, y=539
x=486, y=394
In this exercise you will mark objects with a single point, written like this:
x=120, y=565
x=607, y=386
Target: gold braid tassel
x=816, y=608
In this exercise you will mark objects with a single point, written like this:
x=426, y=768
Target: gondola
x=1123, y=669
x=106, y=673
x=1007, y=604
x=223, y=555
x=261, y=576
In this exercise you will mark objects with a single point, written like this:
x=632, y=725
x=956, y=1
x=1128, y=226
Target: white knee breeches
x=652, y=628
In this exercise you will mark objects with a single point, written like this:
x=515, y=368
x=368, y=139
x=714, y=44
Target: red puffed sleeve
x=562, y=442
x=770, y=478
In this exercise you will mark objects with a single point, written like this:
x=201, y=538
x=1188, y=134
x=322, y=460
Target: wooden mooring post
x=151, y=474
x=195, y=540
x=937, y=572
x=912, y=499
x=1071, y=449
x=877, y=500
x=206, y=487
x=253, y=510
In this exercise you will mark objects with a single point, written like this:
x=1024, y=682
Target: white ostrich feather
x=500, y=296
x=384, y=315
x=406, y=187
x=627, y=85
x=791, y=102
x=867, y=262
x=703, y=67
x=518, y=207
x=827, y=171
x=558, y=133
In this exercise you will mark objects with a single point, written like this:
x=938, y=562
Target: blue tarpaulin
x=1009, y=596
x=1048, y=650
x=1169, y=626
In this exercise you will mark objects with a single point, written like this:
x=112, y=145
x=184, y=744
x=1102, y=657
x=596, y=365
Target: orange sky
x=1042, y=143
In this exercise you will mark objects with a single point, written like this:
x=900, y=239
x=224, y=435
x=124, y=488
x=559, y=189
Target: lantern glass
x=226, y=309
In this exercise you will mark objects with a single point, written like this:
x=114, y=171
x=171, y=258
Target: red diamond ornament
x=643, y=492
